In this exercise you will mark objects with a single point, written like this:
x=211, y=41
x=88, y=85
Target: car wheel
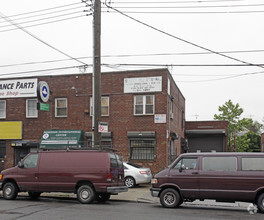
x=130, y=182
x=260, y=202
x=85, y=194
x=10, y=191
x=34, y=195
x=103, y=197
x=170, y=198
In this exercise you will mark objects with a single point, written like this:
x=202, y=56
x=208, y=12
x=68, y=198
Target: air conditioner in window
x=171, y=115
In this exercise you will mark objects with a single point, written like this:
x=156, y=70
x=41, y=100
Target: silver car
x=135, y=174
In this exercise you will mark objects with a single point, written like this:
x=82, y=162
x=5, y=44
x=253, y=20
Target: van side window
x=187, y=163
x=31, y=161
x=113, y=160
x=219, y=164
x=253, y=164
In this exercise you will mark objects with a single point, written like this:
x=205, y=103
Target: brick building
x=262, y=142
x=144, y=111
x=206, y=136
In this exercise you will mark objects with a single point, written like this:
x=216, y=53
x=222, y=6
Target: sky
x=214, y=49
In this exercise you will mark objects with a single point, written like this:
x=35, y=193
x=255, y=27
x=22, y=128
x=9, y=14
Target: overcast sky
x=213, y=48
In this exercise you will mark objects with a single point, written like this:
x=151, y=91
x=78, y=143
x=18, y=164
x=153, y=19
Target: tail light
x=143, y=172
x=109, y=177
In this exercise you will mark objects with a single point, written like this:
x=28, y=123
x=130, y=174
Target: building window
x=104, y=106
x=142, y=149
x=144, y=105
x=61, y=107
x=31, y=108
x=2, y=109
x=2, y=149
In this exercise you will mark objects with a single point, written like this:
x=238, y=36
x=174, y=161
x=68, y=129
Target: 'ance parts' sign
x=18, y=88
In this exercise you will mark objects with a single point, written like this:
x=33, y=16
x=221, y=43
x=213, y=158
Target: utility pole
x=96, y=71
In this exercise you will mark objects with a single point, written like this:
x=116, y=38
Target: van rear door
x=116, y=170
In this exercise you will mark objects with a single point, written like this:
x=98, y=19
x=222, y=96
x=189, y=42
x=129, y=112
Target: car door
x=27, y=173
x=185, y=175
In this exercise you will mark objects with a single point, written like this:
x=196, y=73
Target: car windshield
x=134, y=165
x=172, y=163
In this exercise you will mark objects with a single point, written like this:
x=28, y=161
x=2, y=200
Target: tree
x=232, y=113
x=249, y=142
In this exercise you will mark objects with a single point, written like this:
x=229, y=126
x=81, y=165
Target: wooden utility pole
x=96, y=71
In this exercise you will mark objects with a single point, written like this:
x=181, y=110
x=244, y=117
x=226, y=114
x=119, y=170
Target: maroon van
x=91, y=174
x=224, y=177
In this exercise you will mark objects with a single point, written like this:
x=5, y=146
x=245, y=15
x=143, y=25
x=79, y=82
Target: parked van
x=91, y=174
x=224, y=177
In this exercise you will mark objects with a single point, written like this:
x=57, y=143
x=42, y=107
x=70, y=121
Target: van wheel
x=170, y=198
x=103, y=197
x=34, y=195
x=10, y=191
x=260, y=202
x=85, y=194
x=130, y=182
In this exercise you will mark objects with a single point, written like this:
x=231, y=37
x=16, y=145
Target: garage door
x=206, y=143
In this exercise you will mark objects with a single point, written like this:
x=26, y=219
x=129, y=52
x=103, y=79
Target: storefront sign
x=18, y=88
x=43, y=91
x=43, y=106
x=61, y=138
x=143, y=84
x=11, y=130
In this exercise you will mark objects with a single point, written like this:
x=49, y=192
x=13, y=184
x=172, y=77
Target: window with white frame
x=104, y=106
x=61, y=107
x=31, y=108
x=2, y=108
x=144, y=105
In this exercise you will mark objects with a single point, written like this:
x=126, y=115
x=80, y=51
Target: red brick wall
x=121, y=118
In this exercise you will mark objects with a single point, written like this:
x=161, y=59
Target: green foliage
x=250, y=141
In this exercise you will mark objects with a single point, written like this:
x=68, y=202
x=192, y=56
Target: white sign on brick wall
x=143, y=84
x=18, y=88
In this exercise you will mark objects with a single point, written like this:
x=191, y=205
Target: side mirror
x=20, y=164
x=182, y=168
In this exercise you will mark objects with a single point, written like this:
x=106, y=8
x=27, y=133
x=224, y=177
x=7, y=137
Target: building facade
x=143, y=113
x=206, y=136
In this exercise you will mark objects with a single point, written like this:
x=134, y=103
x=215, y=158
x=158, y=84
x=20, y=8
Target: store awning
x=61, y=139
x=24, y=144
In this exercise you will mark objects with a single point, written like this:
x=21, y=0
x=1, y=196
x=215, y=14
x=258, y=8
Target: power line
x=41, y=19
x=37, y=38
x=38, y=15
x=181, y=39
x=133, y=55
x=47, y=9
x=49, y=22
x=174, y=2
x=199, y=6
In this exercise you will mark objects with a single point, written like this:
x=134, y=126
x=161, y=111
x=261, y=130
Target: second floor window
x=2, y=109
x=104, y=106
x=144, y=105
x=31, y=110
x=61, y=107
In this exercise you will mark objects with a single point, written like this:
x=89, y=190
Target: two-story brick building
x=144, y=112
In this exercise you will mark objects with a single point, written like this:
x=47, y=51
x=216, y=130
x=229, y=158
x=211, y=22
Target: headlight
x=1, y=176
x=154, y=181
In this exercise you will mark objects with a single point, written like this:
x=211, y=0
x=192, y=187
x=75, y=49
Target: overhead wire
x=37, y=38
x=181, y=39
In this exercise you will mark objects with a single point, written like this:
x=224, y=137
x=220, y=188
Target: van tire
x=130, y=182
x=34, y=195
x=260, y=203
x=85, y=194
x=10, y=191
x=170, y=198
x=103, y=197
